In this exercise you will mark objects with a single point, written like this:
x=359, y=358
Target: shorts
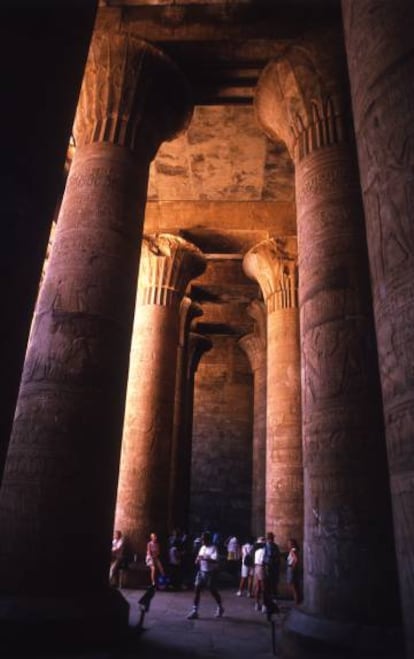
x=292, y=576
x=259, y=572
x=206, y=579
x=246, y=571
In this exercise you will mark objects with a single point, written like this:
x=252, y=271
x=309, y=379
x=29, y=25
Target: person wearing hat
x=259, y=572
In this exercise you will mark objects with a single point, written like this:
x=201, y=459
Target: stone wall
x=222, y=442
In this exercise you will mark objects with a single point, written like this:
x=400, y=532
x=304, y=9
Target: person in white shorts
x=259, y=572
x=247, y=569
x=206, y=577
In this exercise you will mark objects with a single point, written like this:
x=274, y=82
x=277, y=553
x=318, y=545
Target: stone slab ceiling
x=222, y=184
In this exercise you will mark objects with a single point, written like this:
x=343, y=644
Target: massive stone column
x=254, y=345
x=188, y=311
x=168, y=263
x=348, y=533
x=379, y=45
x=273, y=263
x=58, y=492
x=40, y=48
x=197, y=345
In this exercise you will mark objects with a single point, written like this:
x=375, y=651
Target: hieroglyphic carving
x=127, y=88
x=167, y=264
x=257, y=310
x=325, y=182
x=299, y=100
x=322, y=346
x=273, y=263
x=254, y=349
x=379, y=48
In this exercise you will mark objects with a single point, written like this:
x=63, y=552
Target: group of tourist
x=260, y=571
x=257, y=562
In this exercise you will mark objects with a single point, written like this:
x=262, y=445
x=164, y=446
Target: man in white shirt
x=206, y=577
x=259, y=572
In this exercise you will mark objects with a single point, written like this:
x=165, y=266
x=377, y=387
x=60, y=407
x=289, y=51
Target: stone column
x=273, y=264
x=168, y=263
x=254, y=346
x=59, y=487
x=379, y=46
x=188, y=311
x=197, y=345
x=348, y=535
x=46, y=47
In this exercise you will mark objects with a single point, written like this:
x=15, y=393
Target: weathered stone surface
x=70, y=408
x=132, y=95
x=273, y=264
x=380, y=61
x=340, y=394
x=223, y=156
x=255, y=347
x=180, y=484
x=222, y=445
x=181, y=441
x=168, y=263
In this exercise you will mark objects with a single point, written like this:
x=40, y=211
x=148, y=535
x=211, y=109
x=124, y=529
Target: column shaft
x=341, y=427
x=168, y=263
x=180, y=486
x=144, y=477
x=188, y=310
x=284, y=470
x=50, y=45
x=380, y=60
x=71, y=397
x=255, y=349
x=348, y=534
x=273, y=264
x=58, y=492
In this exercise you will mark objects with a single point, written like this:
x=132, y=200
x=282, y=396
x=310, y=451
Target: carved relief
x=299, y=99
x=254, y=349
x=188, y=311
x=198, y=344
x=273, y=264
x=167, y=265
x=328, y=344
x=132, y=95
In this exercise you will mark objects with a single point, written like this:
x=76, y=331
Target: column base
x=305, y=635
x=84, y=620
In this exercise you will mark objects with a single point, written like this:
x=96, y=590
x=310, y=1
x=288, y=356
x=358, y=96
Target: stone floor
x=242, y=633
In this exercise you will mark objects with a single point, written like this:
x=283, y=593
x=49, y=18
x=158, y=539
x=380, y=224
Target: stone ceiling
x=222, y=184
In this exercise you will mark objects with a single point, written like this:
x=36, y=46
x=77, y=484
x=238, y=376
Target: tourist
x=292, y=571
x=271, y=564
x=247, y=569
x=258, y=572
x=175, y=564
x=206, y=577
x=118, y=555
x=233, y=556
x=152, y=559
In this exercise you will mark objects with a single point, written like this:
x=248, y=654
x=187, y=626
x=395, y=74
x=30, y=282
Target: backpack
x=248, y=560
x=163, y=582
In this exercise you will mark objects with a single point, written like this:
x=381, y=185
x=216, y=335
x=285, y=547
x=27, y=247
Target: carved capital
x=198, y=344
x=132, y=95
x=168, y=263
x=188, y=311
x=254, y=349
x=299, y=99
x=274, y=265
x=257, y=310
